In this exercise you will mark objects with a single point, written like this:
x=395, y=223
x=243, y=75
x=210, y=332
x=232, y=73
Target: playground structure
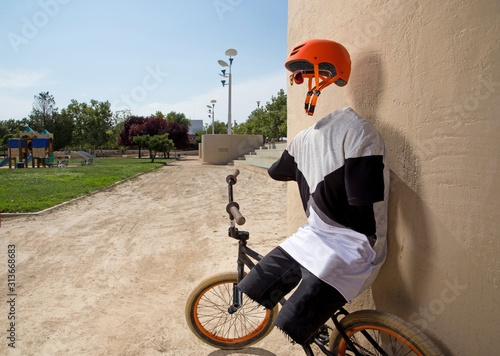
x=33, y=147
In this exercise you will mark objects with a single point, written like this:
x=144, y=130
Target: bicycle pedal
x=323, y=334
x=324, y=339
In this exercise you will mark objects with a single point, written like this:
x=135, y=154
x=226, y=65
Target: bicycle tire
x=208, y=318
x=396, y=336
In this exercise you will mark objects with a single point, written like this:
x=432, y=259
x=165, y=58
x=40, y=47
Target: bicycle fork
x=237, y=300
x=237, y=293
x=243, y=260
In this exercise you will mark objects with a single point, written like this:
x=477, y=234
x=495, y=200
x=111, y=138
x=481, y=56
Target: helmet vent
x=296, y=49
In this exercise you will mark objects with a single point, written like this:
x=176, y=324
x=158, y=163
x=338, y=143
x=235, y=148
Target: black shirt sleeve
x=284, y=169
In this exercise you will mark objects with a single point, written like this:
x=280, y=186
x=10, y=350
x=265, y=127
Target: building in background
x=196, y=125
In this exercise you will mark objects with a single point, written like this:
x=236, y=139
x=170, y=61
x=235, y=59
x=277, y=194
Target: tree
x=160, y=143
x=159, y=114
x=10, y=129
x=141, y=141
x=14, y=126
x=62, y=128
x=91, y=123
x=155, y=126
x=253, y=126
x=269, y=121
x=5, y=141
x=178, y=117
x=4, y=130
x=135, y=131
x=178, y=133
x=43, y=109
x=73, y=112
x=45, y=116
x=118, y=123
x=198, y=135
x=98, y=122
x=126, y=136
x=140, y=126
x=219, y=128
x=155, y=144
x=275, y=119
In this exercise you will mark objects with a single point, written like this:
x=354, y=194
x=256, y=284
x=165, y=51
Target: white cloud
x=25, y=78
x=14, y=108
x=15, y=102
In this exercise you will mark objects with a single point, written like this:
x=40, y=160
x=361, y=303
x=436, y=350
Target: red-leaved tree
x=139, y=126
x=178, y=133
x=125, y=139
x=155, y=126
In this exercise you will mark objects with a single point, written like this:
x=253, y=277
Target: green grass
x=31, y=190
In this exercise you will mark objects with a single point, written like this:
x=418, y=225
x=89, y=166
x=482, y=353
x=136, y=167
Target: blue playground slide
x=6, y=159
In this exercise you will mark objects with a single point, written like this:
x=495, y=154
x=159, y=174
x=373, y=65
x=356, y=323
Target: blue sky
x=142, y=55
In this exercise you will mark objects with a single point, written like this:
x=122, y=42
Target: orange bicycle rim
x=212, y=336
x=343, y=345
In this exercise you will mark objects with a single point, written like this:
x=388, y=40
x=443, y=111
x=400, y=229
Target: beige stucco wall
x=222, y=149
x=427, y=74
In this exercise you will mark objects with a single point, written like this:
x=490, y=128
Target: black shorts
x=307, y=309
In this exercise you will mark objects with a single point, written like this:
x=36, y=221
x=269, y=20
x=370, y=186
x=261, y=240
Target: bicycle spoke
x=377, y=343
x=213, y=313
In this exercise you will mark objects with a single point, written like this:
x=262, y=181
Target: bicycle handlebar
x=233, y=176
x=234, y=209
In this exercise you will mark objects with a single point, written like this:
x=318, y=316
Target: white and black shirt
x=340, y=167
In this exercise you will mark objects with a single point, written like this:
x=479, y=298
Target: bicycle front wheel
x=378, y=333
x=208, y=317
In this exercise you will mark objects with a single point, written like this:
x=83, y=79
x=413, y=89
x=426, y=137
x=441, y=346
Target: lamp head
x=223, y=63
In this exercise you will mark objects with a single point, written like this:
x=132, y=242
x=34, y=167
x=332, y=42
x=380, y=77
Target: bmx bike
x=220, y=315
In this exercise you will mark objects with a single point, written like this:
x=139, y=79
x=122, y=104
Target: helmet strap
x=308, y=96
x=313, y=93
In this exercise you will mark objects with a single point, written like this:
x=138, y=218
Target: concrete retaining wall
x=223, y=149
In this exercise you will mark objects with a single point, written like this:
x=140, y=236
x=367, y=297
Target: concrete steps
x=261, y=159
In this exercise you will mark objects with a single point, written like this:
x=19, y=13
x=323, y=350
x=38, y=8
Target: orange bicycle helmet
x=323, y=60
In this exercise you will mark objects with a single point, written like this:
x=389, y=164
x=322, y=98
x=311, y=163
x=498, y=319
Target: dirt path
x=109, y=274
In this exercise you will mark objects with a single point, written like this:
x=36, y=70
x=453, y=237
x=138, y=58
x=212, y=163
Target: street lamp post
x=258, y=118
x=213, y=113
x=230, y=53
x=210, y=116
